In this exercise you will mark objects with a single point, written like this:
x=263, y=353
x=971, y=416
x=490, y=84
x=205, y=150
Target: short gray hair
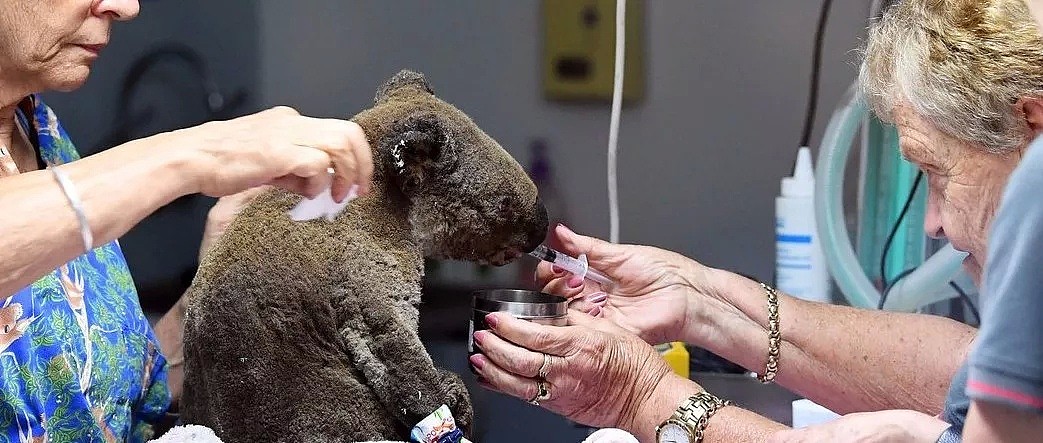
x=962, y=65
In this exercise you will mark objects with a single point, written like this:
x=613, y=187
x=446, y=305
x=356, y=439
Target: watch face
x=673, y=433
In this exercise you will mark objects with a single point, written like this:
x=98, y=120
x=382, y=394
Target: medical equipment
x=929, y=283
x=576, y=266
x=800, y=268
x=886, y=247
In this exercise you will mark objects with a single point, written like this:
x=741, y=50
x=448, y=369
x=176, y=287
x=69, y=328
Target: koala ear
x=419, y=148
x=404, y=79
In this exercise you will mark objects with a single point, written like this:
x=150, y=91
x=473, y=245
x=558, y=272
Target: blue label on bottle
x=793, y=238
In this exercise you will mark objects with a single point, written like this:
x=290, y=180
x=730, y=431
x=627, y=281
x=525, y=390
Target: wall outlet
x=579, y=50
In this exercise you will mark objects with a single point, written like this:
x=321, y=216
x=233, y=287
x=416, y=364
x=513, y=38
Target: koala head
x=469, y=199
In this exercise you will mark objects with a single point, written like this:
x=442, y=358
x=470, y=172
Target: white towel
x=322, y=206
x=188, y=434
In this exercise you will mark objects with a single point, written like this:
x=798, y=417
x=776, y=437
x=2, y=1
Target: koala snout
x=538, y=229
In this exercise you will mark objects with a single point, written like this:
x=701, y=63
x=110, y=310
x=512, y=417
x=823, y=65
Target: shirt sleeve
x=1006, y=362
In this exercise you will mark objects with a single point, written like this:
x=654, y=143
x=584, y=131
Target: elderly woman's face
x=965, y=184
x=51, y=44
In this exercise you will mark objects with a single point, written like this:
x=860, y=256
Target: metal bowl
x=535, y=306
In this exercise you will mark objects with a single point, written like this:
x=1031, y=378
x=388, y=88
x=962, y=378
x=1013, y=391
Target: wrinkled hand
x=654, y=293
x=278, y=147
x=598, y=373
x=222, y=214
x=870, y=427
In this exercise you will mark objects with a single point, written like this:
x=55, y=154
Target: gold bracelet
x=774, y=337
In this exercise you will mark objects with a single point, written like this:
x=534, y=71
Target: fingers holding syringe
x=600, y=254
x=583, y=295
x=559, y=281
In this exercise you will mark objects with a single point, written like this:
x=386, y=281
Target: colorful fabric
x=78, y=358
x=438, y=427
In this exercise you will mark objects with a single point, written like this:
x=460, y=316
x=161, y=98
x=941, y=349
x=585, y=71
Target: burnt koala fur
x=307, y=331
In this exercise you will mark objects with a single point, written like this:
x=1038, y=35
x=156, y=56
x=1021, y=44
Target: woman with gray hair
x=961, y=79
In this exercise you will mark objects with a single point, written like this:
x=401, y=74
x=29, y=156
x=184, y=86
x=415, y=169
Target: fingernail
x=557, y=270
x=566, y=228
x=597, y=297
x=492, y=320
x=478, y=337
x=575, y=282
x=478, y=361
x=595, y=311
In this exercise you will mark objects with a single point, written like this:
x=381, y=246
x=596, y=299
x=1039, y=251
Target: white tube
x=922, y=287
x=613, y=131
x=926, y=285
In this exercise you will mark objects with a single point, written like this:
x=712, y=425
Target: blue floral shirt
x=78, y=358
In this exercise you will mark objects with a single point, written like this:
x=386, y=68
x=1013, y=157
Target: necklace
x=8, y=167
x=7, y=164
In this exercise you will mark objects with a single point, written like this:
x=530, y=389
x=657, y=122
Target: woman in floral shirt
x=78, y=359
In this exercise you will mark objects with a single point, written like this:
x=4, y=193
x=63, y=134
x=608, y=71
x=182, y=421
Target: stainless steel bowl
x=535, y=306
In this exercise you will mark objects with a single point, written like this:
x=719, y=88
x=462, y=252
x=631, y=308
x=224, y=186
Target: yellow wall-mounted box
x=580, y=48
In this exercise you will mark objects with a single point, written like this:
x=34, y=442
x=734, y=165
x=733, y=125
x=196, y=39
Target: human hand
x=597, y=374
x=278, y=147
x=655, y=290
x=221, y=215
x=870, y=427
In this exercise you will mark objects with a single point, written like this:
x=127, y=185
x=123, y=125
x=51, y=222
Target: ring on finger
x=542, y=393
x=544, y=368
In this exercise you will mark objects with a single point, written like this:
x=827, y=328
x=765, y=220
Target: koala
x=307, y=331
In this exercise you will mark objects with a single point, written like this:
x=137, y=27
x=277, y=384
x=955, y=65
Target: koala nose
x=538, y=229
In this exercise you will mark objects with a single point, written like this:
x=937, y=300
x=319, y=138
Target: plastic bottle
x=676, y=356
x=800, y=266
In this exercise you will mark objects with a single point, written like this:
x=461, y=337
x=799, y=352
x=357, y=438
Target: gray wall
x=163, y=248
x=701, y=156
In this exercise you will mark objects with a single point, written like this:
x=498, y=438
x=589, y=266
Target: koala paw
x=459, y=401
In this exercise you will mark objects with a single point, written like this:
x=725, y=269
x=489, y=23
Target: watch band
x=694, y=414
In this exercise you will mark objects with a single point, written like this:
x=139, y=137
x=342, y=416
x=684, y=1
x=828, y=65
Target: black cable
x=967, y=300
x=963, y=295
x=894, y=230
x=816, y=68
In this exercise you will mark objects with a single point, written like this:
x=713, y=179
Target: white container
x=808, y=413
x=800, y=266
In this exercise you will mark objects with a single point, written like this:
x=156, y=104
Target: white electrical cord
x=613, y=132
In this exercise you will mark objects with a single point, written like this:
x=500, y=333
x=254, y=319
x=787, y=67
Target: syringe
x=577, y=266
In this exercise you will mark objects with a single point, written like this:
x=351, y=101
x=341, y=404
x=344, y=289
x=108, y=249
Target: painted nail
x=492, y=320
x=597, y=297
x=557, y=270
x=478, y=337
x=478, y=361
x=575, y=282
x=595, y=311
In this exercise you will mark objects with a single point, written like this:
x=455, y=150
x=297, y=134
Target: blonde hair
x=962, y=65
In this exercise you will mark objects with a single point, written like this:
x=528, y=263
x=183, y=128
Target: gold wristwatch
x=690, y=419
